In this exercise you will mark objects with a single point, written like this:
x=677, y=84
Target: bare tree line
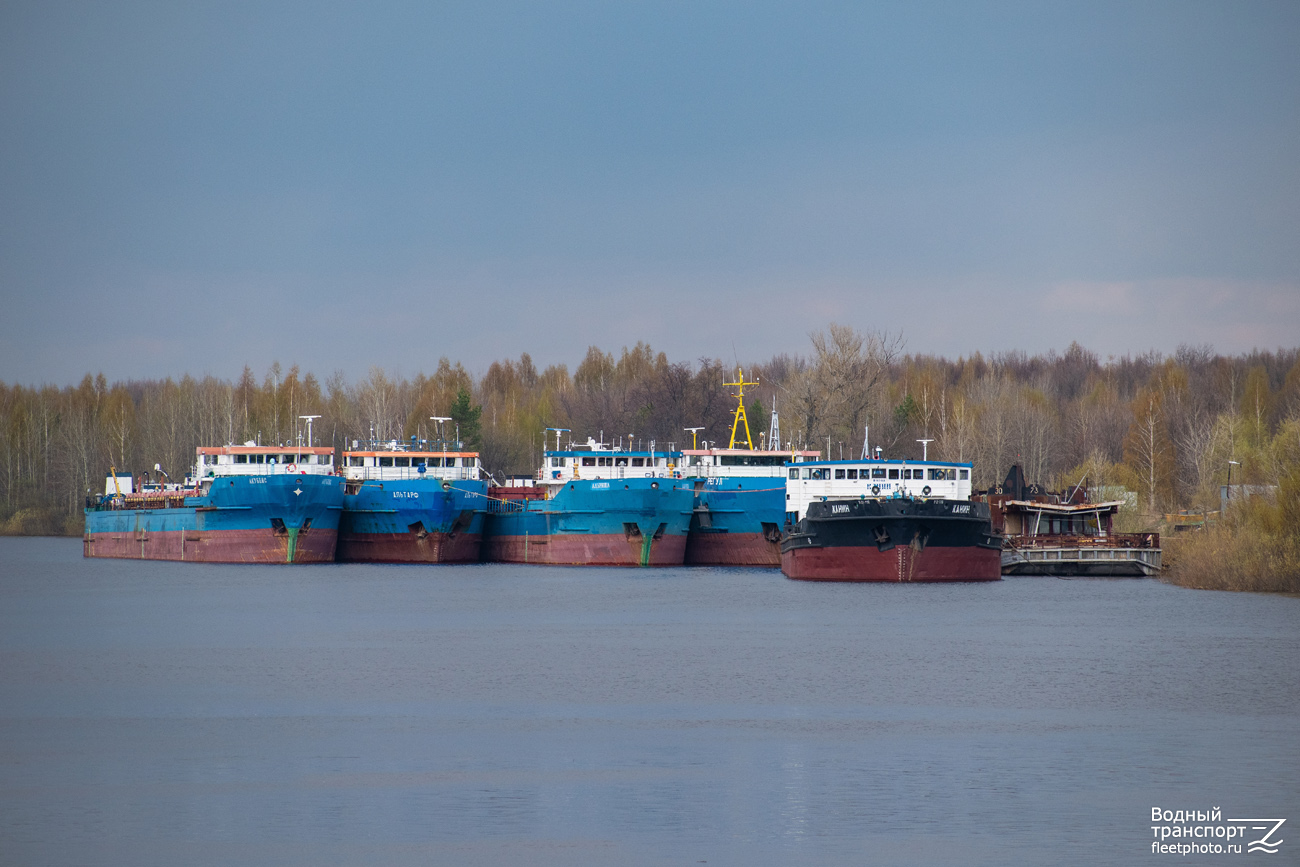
x=1163, y=426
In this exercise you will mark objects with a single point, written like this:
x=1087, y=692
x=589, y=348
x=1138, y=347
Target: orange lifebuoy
x=291, y=468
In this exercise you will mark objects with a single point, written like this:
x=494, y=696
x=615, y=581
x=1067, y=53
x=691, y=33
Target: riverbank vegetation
x=1255, y=546
x=1162, y=427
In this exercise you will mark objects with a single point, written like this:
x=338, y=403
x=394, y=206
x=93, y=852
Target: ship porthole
x=654, y=484
x=926, y=490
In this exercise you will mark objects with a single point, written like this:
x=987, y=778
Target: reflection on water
x=157, y=713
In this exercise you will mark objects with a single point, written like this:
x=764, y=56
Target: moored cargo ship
x=243, y=504
x=595, y=506
x=411, y=505
x=879, y=520
x=739, y=494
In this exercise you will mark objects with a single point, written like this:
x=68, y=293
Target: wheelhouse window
x=385, y=462
x=879, y=473
x=965, y=475
x=839, y=473
x=401, y=462
x=893, y=474
x=241, y=459
x=852, y=474
x=638, y=462
x=588, y=462
x=794, y=474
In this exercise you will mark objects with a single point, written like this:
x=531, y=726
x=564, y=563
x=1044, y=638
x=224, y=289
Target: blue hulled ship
x=243, y=504
x=409, y=504
x=596, y=505
x=739, y=506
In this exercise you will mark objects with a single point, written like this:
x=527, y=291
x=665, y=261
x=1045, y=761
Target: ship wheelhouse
x=399, y=464
x=254, y=460
x=876, y=479
x=745, y=463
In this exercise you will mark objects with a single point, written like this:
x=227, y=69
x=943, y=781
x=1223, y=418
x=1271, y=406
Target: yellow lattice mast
x=740, y=418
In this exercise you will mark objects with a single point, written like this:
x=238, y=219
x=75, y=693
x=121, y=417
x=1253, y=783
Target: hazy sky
x=190, y=187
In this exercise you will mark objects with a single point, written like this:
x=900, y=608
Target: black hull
x=893, y=540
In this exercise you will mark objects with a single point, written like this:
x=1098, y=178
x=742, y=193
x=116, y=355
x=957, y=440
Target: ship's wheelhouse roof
x=1062, y=508
x=752, y=452
x=610, y=453
x=885, y=463
x=264, y=450
x=385, y=453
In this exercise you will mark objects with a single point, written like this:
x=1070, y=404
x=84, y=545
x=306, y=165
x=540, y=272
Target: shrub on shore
x=1255, y=548
x=33, y=522
x=1233, y=558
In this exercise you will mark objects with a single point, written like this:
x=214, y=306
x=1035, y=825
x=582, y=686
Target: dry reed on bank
x=1233, y=557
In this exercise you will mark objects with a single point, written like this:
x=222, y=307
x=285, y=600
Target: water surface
x=165, y=713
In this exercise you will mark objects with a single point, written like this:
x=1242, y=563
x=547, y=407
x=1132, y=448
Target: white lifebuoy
x=291, y=468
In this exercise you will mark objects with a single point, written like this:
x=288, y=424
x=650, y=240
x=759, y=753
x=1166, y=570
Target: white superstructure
x=255, y=460
x=871, y=479
x=395, y=463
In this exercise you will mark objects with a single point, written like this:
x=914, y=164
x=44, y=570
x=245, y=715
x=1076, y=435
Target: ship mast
x=774, y=429
x=740, y=418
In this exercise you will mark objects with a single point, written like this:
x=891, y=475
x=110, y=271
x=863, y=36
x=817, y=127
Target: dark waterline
x=162, y=713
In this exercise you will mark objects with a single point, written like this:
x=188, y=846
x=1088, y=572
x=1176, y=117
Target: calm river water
x=161, y=713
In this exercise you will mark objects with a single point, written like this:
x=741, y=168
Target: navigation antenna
x=558, y=431
x=695, y=432
x=308, y=419
x=774, y=428
x=442, y=437
x=740, y=418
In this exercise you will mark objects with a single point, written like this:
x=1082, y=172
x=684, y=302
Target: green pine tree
x=466, y=418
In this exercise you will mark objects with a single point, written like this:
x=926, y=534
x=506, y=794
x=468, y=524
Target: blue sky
x=189, y=187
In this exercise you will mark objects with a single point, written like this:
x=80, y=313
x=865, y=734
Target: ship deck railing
x=498, y=506
x=1110, y=540
x=401, y=474
x=168, y=500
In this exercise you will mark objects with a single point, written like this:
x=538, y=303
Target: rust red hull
x=407, y=548
x=611, y=549
x=732, y=549
x=224, y=546
x=900, y=564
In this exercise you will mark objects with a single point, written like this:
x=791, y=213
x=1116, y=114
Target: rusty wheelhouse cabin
x=1066, y=534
